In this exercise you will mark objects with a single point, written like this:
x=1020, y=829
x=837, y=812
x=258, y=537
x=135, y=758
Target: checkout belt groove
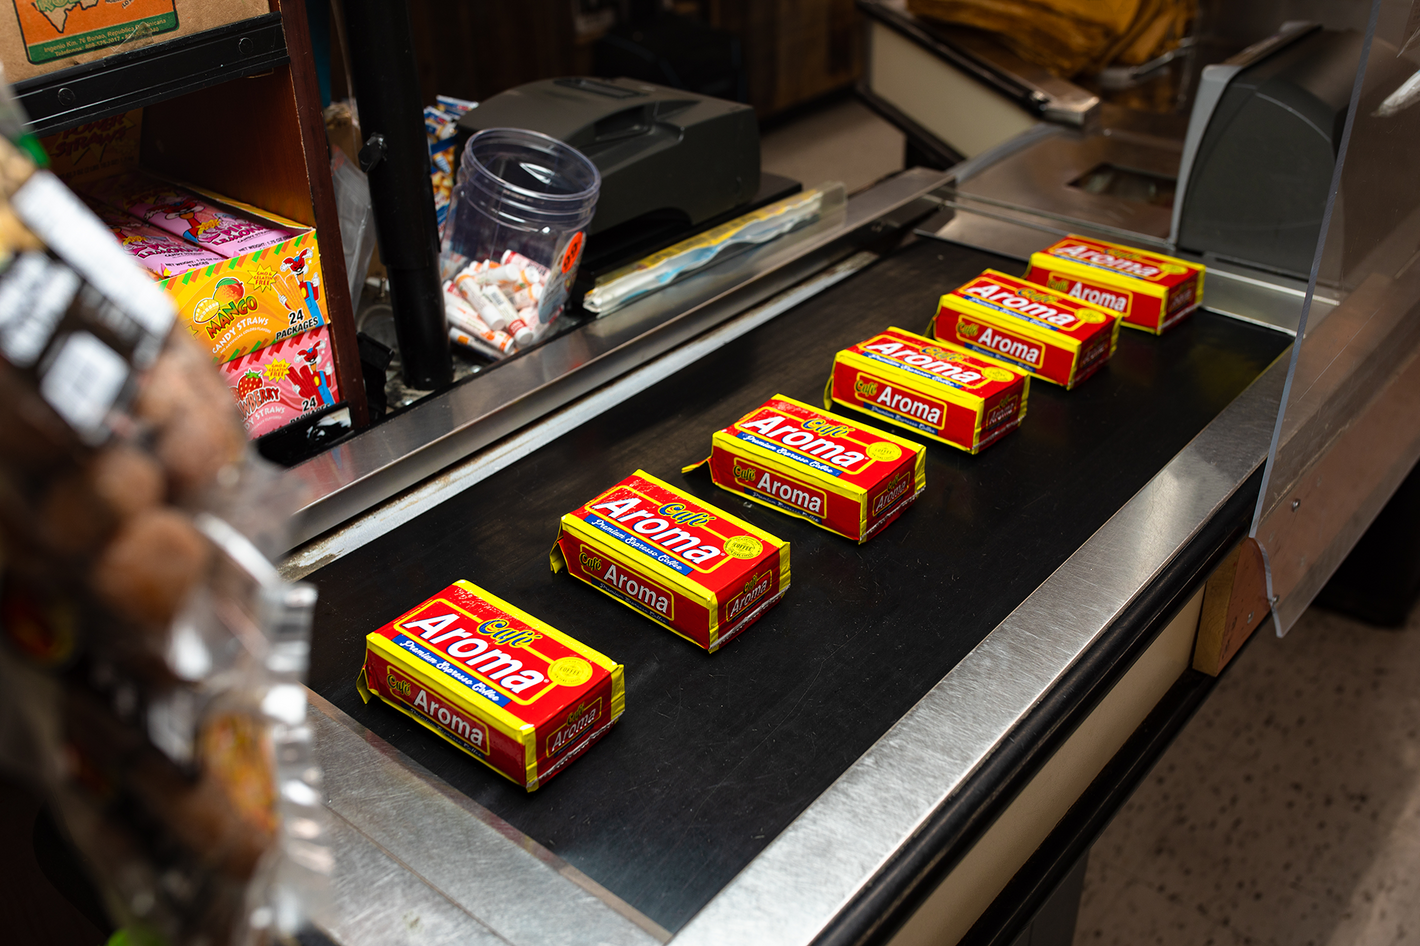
x=716, y=754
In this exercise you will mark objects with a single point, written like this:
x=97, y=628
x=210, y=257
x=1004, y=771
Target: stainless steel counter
x=419, y=862
x=443, y=857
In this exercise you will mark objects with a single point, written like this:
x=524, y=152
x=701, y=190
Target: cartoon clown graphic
x=311, y=383
x=197, y=217
x=307, y=279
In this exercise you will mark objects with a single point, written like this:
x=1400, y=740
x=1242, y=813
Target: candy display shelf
x=260, y=141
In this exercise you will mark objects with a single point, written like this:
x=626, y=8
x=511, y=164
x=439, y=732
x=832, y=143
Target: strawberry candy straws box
x=279, y=383
x=513, y=692
x=685, y=564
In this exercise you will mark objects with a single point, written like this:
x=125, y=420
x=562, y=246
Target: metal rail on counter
x=439, y=432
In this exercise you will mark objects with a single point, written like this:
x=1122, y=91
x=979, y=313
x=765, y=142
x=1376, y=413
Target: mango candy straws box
x=1148, y=290
x=843, y=476
x=690, y=567
x=1028, y=327
x=249, y=277
x=934, y=388
x=516, y=694
x=238, y=305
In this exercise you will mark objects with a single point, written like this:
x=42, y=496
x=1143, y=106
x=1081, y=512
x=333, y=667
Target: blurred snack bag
x=150, y=655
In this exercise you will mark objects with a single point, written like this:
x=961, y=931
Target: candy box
x=1031, y=329
x=934, y=388
x=277, y=384
x=186, y=215
x=162, y=254
x=513, y=692
x=837, y=473
x=234, y=307
x=1149, y=290
x=685, y=564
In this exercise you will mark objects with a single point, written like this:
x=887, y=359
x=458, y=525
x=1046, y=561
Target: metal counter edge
x=414, y=853
x=793, y=891
x=799, y=886
x=390, y=457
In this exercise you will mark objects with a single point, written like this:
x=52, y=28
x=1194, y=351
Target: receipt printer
x=665, y=155
x=1261, y=149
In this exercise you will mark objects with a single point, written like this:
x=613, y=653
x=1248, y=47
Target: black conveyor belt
x=716, y=754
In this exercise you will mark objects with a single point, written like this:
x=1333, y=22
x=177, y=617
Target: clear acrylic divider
x=1348, y=428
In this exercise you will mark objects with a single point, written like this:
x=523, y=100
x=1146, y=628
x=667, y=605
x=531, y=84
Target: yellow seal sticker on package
x=1149, y=290
x=837, y=473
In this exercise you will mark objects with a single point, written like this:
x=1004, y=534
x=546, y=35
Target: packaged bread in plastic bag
x=151, y=658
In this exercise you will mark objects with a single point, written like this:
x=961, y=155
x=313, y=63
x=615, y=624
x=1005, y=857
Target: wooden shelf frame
x=236, y=110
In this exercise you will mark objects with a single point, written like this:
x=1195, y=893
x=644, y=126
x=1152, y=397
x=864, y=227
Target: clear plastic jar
x=522, y=192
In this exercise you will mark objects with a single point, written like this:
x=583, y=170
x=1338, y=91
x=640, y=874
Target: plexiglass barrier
x=1348, y=428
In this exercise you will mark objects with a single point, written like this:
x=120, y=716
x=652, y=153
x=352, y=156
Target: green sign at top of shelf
x=57, y=29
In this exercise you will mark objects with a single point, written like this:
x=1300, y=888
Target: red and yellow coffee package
x=838, y=474
x=1148, y=290
x=685, y=564
x=935, y=388
x=513, y=692
x=1031, y=329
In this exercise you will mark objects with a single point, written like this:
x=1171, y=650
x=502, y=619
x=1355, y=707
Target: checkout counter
x=921, y=741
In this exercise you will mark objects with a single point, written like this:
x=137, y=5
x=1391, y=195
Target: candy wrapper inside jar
x=185, y=215
x=150, y=655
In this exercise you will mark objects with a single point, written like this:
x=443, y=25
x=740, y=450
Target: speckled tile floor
x=1288, y=810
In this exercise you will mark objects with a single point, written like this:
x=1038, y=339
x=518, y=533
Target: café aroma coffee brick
x=933, y=388
x=839, y=474
x=685, y=564
x=1149, y=291
x=513, y=692
x=1029, y=328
